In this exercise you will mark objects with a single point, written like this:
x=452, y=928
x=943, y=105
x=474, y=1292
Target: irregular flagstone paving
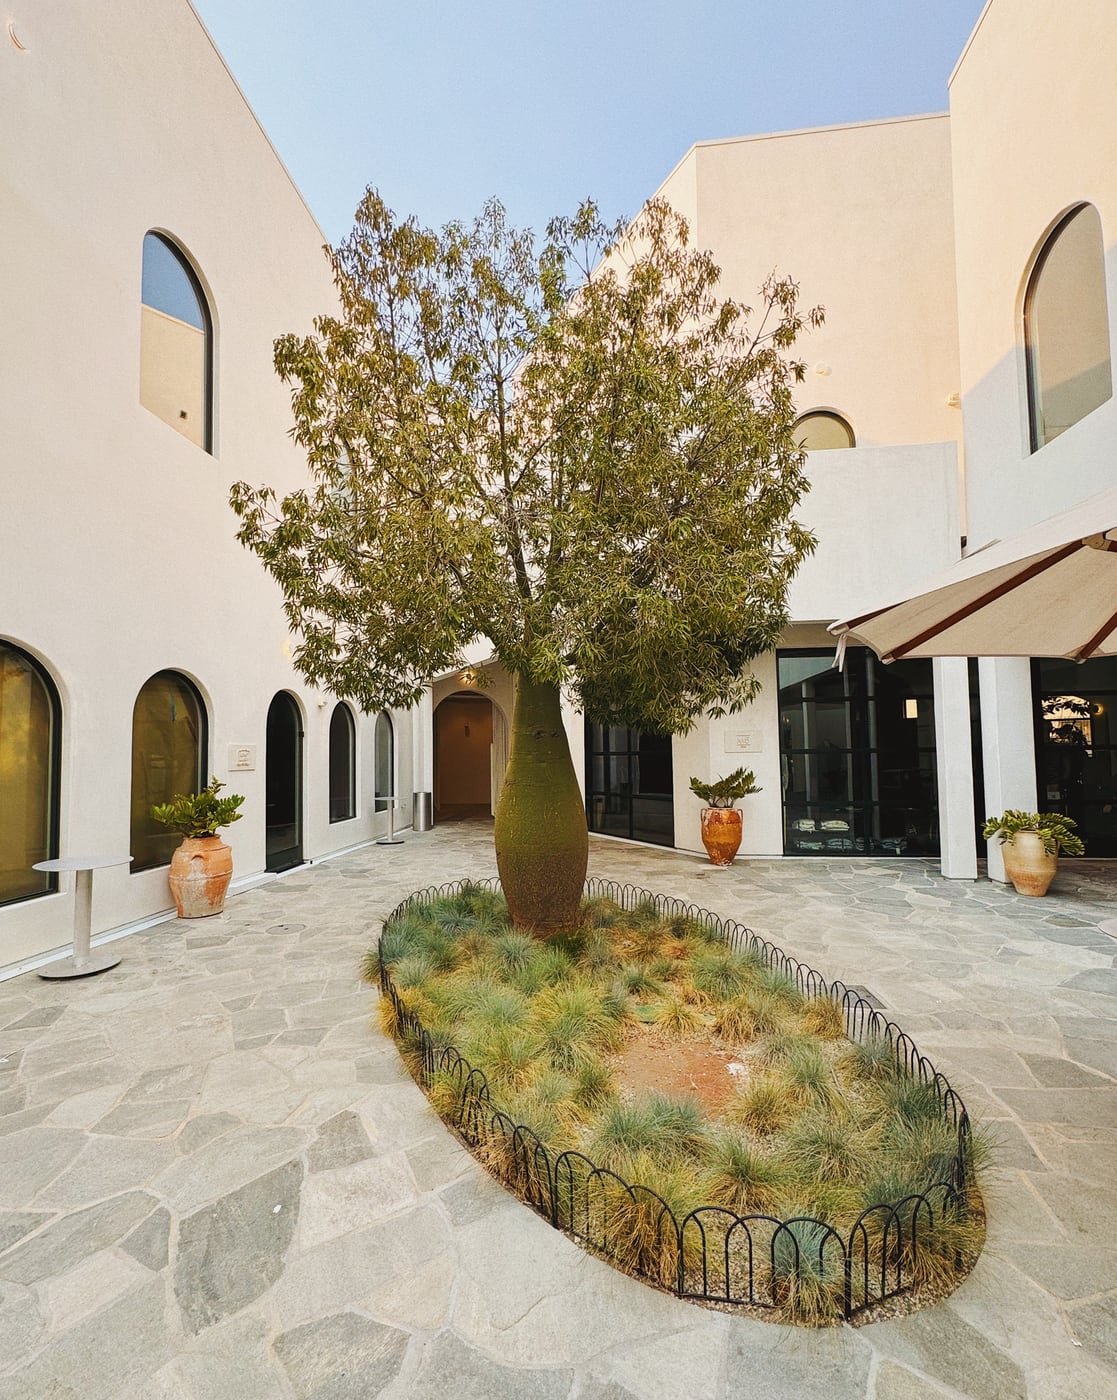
x=217, y=1180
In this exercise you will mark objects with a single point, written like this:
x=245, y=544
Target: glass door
x=283, y=799
x=629, y=784
x=857, y=755
x=1076, y=746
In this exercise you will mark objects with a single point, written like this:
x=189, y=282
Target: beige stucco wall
x=860, y=217
x=117, y=549
x=173, y=372
x=1033, y=105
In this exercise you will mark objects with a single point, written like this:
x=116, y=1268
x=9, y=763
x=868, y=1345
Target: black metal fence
x=712, y=1255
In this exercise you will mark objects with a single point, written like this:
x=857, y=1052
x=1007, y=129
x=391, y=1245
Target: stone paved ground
x=217, y=1181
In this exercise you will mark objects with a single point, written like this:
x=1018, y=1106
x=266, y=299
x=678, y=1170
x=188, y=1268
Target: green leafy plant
x=199, y=813
x=1055, y=830
x=586, y=454
x=727, y=791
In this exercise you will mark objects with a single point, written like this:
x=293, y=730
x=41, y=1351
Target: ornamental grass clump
x=585, y=1073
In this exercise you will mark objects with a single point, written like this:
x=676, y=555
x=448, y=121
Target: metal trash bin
x=422, y=811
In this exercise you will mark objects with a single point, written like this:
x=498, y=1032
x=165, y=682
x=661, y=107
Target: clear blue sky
x=442, y=103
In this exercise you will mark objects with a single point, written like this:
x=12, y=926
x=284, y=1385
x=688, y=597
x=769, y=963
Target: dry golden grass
x=822, y=1017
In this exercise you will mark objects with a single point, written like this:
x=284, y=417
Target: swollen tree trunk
x=541, y=842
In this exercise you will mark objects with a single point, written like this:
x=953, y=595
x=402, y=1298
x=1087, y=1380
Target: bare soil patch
x=650, y=1061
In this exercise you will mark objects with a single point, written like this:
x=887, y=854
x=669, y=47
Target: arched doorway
x=284, y=797
x=463, y=757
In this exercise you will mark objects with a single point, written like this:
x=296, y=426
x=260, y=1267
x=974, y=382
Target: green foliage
x=638, y=981
x=764, y=1105
x=819, y=1147
x=622, y=525
x=199, y=813
x=720, y=975
x=743, y=1178
x=1055, y=830
x=572, y=1022
x=871, y=1059
x=727, y=791
x=678, y=1018
x=657, y=1125
x=807, y=1271
x=780, y=987
x=594, y=1085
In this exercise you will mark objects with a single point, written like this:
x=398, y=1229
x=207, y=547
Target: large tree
x=580, y=452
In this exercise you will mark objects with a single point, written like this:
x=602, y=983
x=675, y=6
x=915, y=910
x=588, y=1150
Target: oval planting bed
x=686, y=1100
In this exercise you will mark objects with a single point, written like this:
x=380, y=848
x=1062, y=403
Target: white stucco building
x=154, y=247
x=960, y=390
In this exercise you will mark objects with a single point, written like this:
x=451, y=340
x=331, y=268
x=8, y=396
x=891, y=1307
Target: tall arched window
x=385, y=761
x=168, y=757
x=1066, y=327
x=30, y=729
x=823, y=431
x=176, y=343
x=343, y=765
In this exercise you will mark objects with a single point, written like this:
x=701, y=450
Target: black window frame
x=348, y=799
x=54, y=791
x=861, y=757
x=202, y=766
x=180, y=255
x=1031, y=378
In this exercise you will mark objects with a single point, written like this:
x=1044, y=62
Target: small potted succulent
x=1032, y=842
x=721, y=822
x=202, y=866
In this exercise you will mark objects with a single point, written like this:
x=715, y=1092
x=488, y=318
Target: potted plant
x=721, y=822
x=202, y=866
x=1032, y=842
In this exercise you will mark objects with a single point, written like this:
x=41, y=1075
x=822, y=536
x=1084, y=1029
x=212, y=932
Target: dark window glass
x=1077, y=746
x=857, y=755
x=823, y=432
x=343, y=766
x=29, y=747
x=385, y=761
x=283, y=800
x=168, y=758
x=176, y=343
x=629, y=784
x=1066, y=327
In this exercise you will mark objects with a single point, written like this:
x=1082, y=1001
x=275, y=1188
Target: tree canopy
x=578, y=450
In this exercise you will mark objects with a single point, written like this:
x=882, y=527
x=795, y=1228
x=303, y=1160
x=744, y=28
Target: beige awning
x=1050, y=591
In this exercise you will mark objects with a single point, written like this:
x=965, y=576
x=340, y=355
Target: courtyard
x=217, y=1179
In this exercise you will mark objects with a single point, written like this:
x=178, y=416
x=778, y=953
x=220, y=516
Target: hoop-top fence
x=711, y=1255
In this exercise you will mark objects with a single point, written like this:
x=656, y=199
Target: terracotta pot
x=201, y=869
x=721, y=834
x=1028, y=865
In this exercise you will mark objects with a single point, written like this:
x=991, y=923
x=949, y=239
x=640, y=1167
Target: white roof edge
x=819, y=130
x=690, y=150
x=966, y=47
x=796, y=131
x=252, y=113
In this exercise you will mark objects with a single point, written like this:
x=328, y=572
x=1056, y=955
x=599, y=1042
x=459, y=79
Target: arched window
x=385, y=761
x=343, y=766
x=168, y=757
x=176, y=343
x=1066, y=327
x=823, y=431
x=30, y=728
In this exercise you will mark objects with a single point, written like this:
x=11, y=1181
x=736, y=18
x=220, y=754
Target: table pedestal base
x=99, y=961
